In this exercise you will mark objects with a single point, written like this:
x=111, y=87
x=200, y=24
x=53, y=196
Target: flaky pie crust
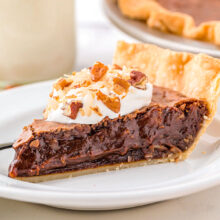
x=107, y=168
x=160, y=18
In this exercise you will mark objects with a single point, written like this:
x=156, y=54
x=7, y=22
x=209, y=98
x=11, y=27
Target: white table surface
x=96, y=39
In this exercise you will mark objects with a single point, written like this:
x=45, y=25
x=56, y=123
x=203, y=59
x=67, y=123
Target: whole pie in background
x=195, y=19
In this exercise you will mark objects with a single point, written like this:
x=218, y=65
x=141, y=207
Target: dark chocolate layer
x=168, y=126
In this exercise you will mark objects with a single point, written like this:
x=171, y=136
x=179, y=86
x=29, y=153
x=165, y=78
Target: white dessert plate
x=140, y=31
x=109, y=190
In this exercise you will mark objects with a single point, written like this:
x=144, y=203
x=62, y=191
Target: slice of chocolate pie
x=111, y=117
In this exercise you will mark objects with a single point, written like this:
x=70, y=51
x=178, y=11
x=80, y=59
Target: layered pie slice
x=196, y=19
x=150, y=107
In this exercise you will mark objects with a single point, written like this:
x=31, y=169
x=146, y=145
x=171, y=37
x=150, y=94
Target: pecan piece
x=137, y=78
x=113, y=103
x=35, y=143
x=120, y=85
x=61, y=84
x=98, y=70
x=72, y=109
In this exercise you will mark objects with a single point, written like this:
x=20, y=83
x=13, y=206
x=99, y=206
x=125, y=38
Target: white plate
x=110, y=190
x=141, y=32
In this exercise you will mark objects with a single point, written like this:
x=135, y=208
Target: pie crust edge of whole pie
x=156, y=16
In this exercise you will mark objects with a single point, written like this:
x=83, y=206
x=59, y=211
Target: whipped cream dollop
x=88, y=96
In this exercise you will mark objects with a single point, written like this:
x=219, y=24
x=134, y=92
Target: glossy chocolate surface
x=168, y=126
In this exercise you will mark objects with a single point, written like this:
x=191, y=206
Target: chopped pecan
x=112, y=103
x=137, y=78
x=72, y=109
x=35, y=143
x=62, y=83
x=97, y=71
x=123, y=83
x=118, y=89
x=116, y=67
x=120, y=85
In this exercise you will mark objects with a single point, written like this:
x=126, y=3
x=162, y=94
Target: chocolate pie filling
x=167, y=126
x=200, y=10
